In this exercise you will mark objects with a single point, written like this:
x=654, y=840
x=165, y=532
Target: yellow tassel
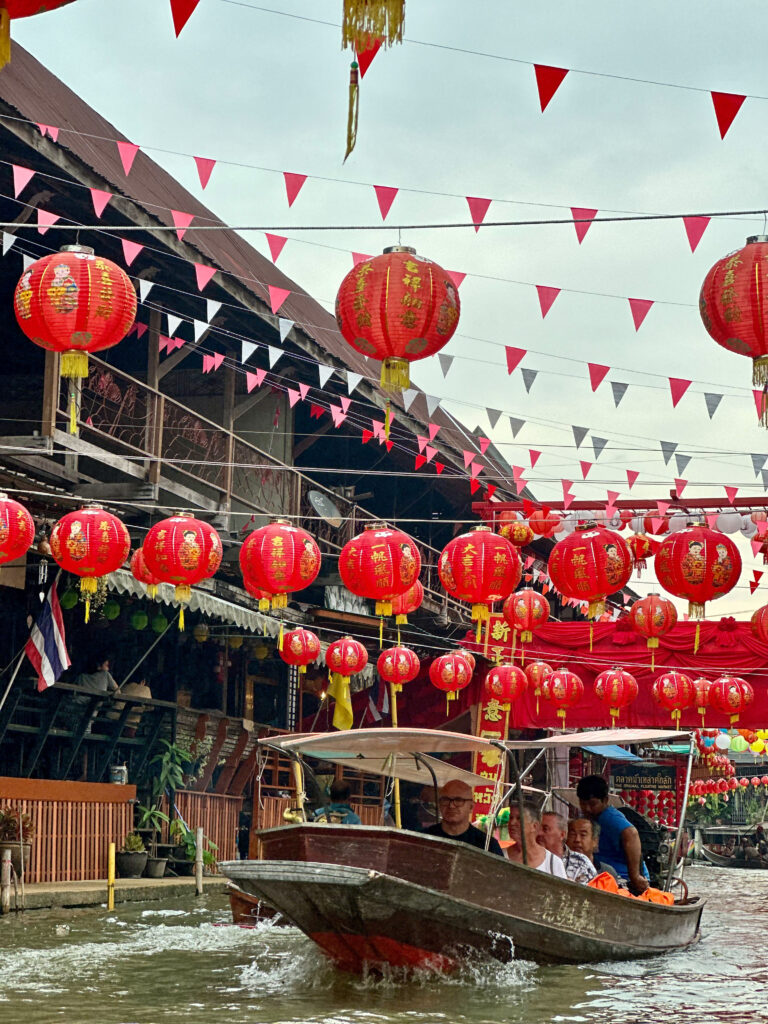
x=354, y=109
x=387, y=416
x=181, y=619
x=537, y=694
x=395, y=374
x=88, y=585
x=152, y=591
x=398, y=633
x=479, y=632
x=280, y=601
x=398, y=687
x=591, y=635
x=73, y=412
x=263, y=604
x=702, y=712
x=368, y=20
x=526, y=636
x=401, y=620
x=88, y=610
x=5, y=37
x=383, y=607
x=760, y=371
x=74, y=364
x=697, y=638
x=183, y=593
x=381, y=631
x=302, y=670
x=280, y=636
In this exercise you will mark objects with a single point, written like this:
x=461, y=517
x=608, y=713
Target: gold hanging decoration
x=365, y=21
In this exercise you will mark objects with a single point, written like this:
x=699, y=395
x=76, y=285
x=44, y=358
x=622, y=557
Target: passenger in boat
x=537, y=856
x=583, y=837
x=554, y=829
x=456, y=804
x=619, y=843
x=338, y=811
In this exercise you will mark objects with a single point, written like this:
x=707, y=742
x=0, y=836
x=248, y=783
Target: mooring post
x=6, y=874
x=111, y=877
x=199, y=861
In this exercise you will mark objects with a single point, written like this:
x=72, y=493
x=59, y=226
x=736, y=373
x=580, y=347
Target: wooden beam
x=77, y=444
x=203, y=782
x=51, y=386
x=228, y=771
x=244, y=772
x=308, y=441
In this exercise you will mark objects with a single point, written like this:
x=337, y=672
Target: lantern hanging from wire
x=544, y=523
x=564, y=689
x=537, y=673
x=90, y=543
x=398, y=307
x=141, y=573
x=479, y=567
x=300, y=648
x=10, y=10
x=525, y=611
x=653, y=617
x=405, y=604
x=516, y=531
x=617, y=689
x=701, y=688
x=183, y=551
x=345, y=657
x=673, y=691
x=505, y=683
x=398, y=665
x=759, y=623
x=380, y=564
x=641, y=548
x=589, y=564
x=450, y=673
x=280, y=559
x=73, y=302
x=730, y=695
x=17, y=529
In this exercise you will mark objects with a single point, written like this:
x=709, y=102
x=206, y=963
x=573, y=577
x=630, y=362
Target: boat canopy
x=406, y=768
x=380, y=742
x=600, y=738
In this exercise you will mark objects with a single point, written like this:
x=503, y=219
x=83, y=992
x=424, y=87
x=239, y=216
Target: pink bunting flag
x=678, y=386
x=662, y=506
x=434, y=429
x=514, y=357
x=694, y=229
x=657, y=524
x=303, y=391
x=181, y=222
x=582, y=218
x=468, y=456
x=483, y=442
x=762, y=529
x=680, y=486
x=421, y=460
x=365, y=57
x=293, y=185
x=203, y=275
x=585, y=467
x=254, y=380
x=275, y=243
x=517, y=473
x=567, y=487
x=164, y=344
x=130, y=250
x=21, y=178
x=477, y=210
x=338, y=415
x=612, y=496
x=731, y=493
x=141, y=330
x=423, y=442
x=99, y=199
x=293, y=396
x=127, y=151
x=181, y=12
x=457, y=277
x=547, y=296
x=277, y=297
x=45, y=220
x=757, y=547
x=639, y=309
x=475, y=469
x=567, y=501
x=529, y=561
x=761, y=398
x=711, y=518
x=430, y=452
x=359, y=257
x=345, y=403
x=597, y=374
x=204, y=169
x=48, y=129
x=207, y=364
x=534, y=456
x=632, y=475
x=385, y=196
x=548, y=81
x=727, y=105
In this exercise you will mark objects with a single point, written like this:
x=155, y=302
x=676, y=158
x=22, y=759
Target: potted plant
x=17, y=830
x=152, y=818
x=131, y=860
x=186, y=847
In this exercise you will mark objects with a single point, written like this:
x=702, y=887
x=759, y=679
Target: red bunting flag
x=127, y=151
x=753, y=585
x=514, y=357
x=367, y=436
x=731, y=492
x=585, y=467
x=365, y=57
x=477, y=210
x=474, y=485
x=385, y=196
x=254, y=380
x=548, y=81
x=582, y=218
x=490, y=490
x=130, y=250
x=99, y=200
x=182, y=11
x=293, y=185
x=181, y=222
x=680, y=486
x=421, y=460
x=547, y=296
x=457, y=277
x=203, y=275
x=678, y=386
x=534, y=456
x=277, y=297
x=761, y=399
x=204, y=169
x=597, y=374
x=316, y=411
x=567, y=487
x=275, y=243
x=439, y=467
x=632, y=475
x=359, y=257
x=21, y=178
x=694, y=229
x=388, y=445
x=639, y=309
x=727, y=105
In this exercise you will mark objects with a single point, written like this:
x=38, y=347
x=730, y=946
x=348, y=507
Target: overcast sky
x=258, y=88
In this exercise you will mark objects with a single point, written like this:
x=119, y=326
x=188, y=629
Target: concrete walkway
x=43, y=895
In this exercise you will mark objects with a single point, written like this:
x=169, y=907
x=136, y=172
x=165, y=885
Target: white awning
x=381, y=742
x=601, y=737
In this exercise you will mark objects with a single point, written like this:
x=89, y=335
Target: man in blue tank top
x=619, y=840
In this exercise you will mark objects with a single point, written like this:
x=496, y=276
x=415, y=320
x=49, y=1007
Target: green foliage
x=153, y=818
x=133, y=843
x=185, y=838
x=9, y=825
x=68, y=599
x=169, y=768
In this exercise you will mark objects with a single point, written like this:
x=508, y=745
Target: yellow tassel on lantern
x=365, y=21
x=381, y=632
x=280, y=601
x=760, y=368
x=263, y=604
x=182, y=594
x=561, y=714
x=88, y=585
x=152, y=591
x=354, y=109
x=383, y=607
x=280, y=636
x=5, y=37
x=401, y=620
x=74, y=364
x=395, y=374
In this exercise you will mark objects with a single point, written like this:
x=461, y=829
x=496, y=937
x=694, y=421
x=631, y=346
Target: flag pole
x=22, y=656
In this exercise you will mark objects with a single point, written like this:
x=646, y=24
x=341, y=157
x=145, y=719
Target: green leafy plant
x=133, y=843
x=9, y=825
x=169, y=768
x=185, y=838
x=152, y=818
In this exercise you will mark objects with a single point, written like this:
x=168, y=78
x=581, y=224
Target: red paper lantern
x=404, y=604
x=764, y=780
x=589, y=564
x=142, y=574
x=90, y=543
x=730, y=695
x=262, y=596
x=74, y=303
x=652, y=617
x=755, y=781
x=17, y=529
x=300, y=648
x=346, y=657
x=537, y=673
x=183, y=551
x=525, y=611
x=701, y=688
x=515, y=530
x=10, y=10
x=380, y=564
x=450, y=673
x=397, y=307
x=657, y=525
x=564, y=689
x=759, y=623
x=616, y=688
x=641, y=548
x=280, y=559
x=469, y=657
x=398, y=665
x=674, y=692
x=698, y=564
x=479, y=567
x=544, y=523
x=505, y=683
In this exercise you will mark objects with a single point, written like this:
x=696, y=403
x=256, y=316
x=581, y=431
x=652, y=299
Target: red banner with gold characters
x=492, y=722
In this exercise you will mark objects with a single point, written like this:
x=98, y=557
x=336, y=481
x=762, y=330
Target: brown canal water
x=151, y=963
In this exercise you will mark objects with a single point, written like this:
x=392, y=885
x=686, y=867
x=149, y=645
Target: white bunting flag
x=274, y=355
x=286, y=326
x=211, y=309
x=325, y=373
x=8, y=241
x=173, y=324
x=247, y=350
x=145, y=287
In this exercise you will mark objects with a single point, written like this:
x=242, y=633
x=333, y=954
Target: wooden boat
x=248, y=909
x=722, y=861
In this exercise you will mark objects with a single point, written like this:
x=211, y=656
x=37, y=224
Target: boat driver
x=619, y=843
x=339, y=810
x=456, y=804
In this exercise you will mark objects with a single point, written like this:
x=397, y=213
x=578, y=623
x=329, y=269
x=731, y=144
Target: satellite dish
x=325, y=507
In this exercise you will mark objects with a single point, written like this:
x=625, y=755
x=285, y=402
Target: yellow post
x=298, y=778
x=111, y=877
x=396, y=787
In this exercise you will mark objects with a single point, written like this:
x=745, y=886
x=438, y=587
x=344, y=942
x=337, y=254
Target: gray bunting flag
x=516, y=424
x=668, y=449
x=529, y=376
x=432, y=404
x=682, y=461
x=619, y=390
x=494, y=415
x=758, y=461
x=598, y=445
x=712, y=403
x=579, y=433
x=445, y=362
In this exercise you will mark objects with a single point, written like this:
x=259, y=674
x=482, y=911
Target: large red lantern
x=74, y=303
x=515, y=530
x=450, y=673
x=564, y=689
x=280, y=558
x=398, y=665
x=300, y=648
x=90, y=543
x=657, y=525
x=380, y=564
x=397, y=307
x=698, y=564
x=616, y=688
x=589, y=564
x=10, y=10
x=544, y=523
x=525, y=611
x=183, y=551
x=404, y=604
x=537, y=673
x=505, y=683
x=479, y=567
x=759, y=623
x=652, y=617
x=142, y=574
x=730, y=695
x=345, y=657
x=701, y=688
x=641, y=548
x=17, y=529
x=674, y=692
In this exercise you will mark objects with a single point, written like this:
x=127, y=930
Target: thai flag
x=47, y=647
x=378, y=700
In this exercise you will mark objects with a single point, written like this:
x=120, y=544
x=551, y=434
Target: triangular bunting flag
x=254, y=380
x=494, y=415
x=430, y=452
x=475, y=469
x=484, y=443
x=469, y=456
x=421, y=460
x=127, y=151
x=680, y=486
x=353, y=379
x=338, y=415
x=681, y=461
x=758, y=461
x=247, y=348
x=546, y=296
x=711, y=518
x=174, y=322
x=145, y=287
x=548, y=81
x=365, y=57
x=730, y=492
x=457, y=277
x=432, y=404
x=274, y=354
x=619, y=390
x=663, y=507
x=582, y=218
x=490, y=490
x=597, y=374
x=760, y=398
x=207, y=364
x=579, y=433
x=712, y=402
x=727, y=105
x=477, y=210
x=218, y=359
x=516, y=425
x=517, y=476
x=8, y=241
x=439, y=467
x=293, y=396
x=315, y=411
x=359, y=257
x=764, y=478
x=303, y=391
x=474, y=485
x=21, y=178
x=27, y=261
x=181, y=222
x=529, y=376
x=212, y=307
x=276, y=244
x=204, y=169
x=277, y=297
x=203, y=275
x=385, y=196
x=345, y=403
x=181, y=12
x=130, y=250
x=409, y=395
x=423, y=442
x=598, y=445
x=367, y=436
x=585, y=467
x=639, y=310
x=325, y=373
x=293, y=185
x=199, y=327
x=668, y=449
x=694, y=229
x=99, y=200
x=534, y=456
x=445, y=362
x=434, y=429
x=678, y=386
x=632, y=475
x=285, y=327
x=45, y=220
x=514, y=357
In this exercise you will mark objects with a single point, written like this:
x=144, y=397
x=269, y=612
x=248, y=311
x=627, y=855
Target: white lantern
x=723, y=741
x=747, y=529
x=729, y=522
x=678, y=521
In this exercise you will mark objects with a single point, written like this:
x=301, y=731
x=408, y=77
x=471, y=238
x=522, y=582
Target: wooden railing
x=218, y=816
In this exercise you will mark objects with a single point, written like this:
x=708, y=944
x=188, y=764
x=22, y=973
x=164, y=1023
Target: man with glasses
x=456, y=805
